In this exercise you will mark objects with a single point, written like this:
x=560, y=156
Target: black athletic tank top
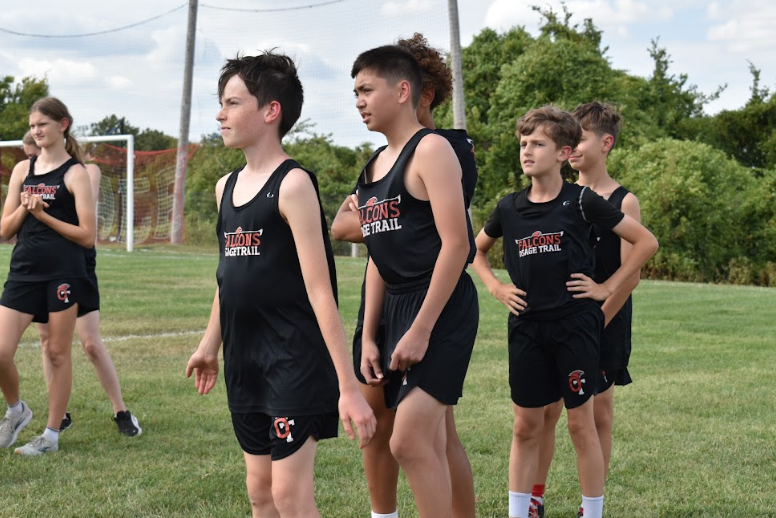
x=398, y=229
x=544, y=243
x=607, y=254
x=275, y=358
x=41, y=253
x=464, y=150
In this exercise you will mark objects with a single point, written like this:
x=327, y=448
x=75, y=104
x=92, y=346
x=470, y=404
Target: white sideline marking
x=125, y=338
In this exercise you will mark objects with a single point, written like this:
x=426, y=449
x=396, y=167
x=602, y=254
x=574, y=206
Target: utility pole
x=459, y=113
x=176, y=235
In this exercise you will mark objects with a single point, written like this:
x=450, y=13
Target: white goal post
x=130, y=186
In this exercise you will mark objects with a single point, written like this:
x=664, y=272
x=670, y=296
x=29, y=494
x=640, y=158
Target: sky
x=137, y=73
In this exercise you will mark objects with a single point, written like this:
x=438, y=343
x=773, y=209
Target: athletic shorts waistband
x=407, y=287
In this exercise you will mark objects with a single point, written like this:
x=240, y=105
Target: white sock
x=519, y=504
x=593, y=506
x=16, y=409
x=394, y=514
x=51, y=435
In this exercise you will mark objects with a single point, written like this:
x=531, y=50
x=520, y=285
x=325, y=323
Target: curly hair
x=436, y=75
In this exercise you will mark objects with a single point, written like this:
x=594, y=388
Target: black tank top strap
x=617, y=196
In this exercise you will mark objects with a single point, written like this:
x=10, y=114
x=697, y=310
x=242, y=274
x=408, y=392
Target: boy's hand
x=511, y=296
x=587, y=288
x=353, y=407
x=370, y=364
x=410, y=350
x=207, y=371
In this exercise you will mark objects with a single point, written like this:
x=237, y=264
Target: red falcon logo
x=63, y=291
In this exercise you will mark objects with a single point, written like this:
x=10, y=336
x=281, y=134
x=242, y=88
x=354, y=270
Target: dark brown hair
x=393, y=63
x=558, y=124
x=600, y=118
x=436, y=75
x=268, y=77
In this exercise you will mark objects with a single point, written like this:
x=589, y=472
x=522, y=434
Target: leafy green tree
x=694, y=199
x=15, y=102
x=145, y=140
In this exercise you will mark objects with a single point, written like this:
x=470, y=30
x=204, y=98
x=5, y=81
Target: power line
x=92, y=33
x=297, y=8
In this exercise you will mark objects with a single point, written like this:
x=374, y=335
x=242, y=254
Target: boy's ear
x=405, y=91
x=272, y=111
x=607, y=143
x=427, y=97
x=564, y=153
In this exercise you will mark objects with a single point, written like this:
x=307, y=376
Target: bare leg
x=524, y=455
x=590, y=460
x=382, y=470
x=603, y=409
x=460, y=471
x=13, y=324
x=88, y=329
x=292, y=483
x=547, y=447
x=258, y=481
x=422, y=455
x=61, y=327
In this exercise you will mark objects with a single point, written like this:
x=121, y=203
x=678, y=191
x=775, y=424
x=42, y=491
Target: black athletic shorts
x=39, y=298
x=281, y=436
x=608, y=377
x=380, y=339
x=442, y=370
x=550, y=359
x=90, y=299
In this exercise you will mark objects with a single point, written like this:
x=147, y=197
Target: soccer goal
x=136, y=187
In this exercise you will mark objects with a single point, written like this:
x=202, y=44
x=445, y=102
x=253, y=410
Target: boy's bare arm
x=374, y=296
x=613, y=304
x=297, y=196
x=644, y=246
x=437, y=167
x=205, y=359
x=346, y=225
x=506, y=293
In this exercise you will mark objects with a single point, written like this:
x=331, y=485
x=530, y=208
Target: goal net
x=148, y=218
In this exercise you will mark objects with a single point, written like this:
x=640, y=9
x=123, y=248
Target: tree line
x=706, y=183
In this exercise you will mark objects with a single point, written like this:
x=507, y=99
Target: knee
x=58, y=355
x=287, y=500
x=6, y=357
x=525, y=430
x=404, y=449
x=92, y=347
x=259, y=494
x=581, y=427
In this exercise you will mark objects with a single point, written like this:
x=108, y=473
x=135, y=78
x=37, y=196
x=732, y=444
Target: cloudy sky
x=137, y=72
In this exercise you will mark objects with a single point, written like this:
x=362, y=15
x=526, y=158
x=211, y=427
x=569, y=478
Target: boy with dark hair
x=554, y=325
x=382, y=470
x=412, y=216
x=601, y=124
x=284, y=344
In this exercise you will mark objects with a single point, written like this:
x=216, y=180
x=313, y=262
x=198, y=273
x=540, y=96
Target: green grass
x=695, y=435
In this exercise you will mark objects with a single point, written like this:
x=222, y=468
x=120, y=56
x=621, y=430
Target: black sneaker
x=67, y=422
x=581, y=513
x=536, y=509
x=127, y=424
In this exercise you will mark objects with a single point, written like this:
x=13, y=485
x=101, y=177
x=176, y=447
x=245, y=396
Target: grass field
x=695, y=435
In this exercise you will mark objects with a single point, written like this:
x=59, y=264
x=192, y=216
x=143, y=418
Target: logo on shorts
x=283, y=428
x=63, y=293
x=576, y=380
